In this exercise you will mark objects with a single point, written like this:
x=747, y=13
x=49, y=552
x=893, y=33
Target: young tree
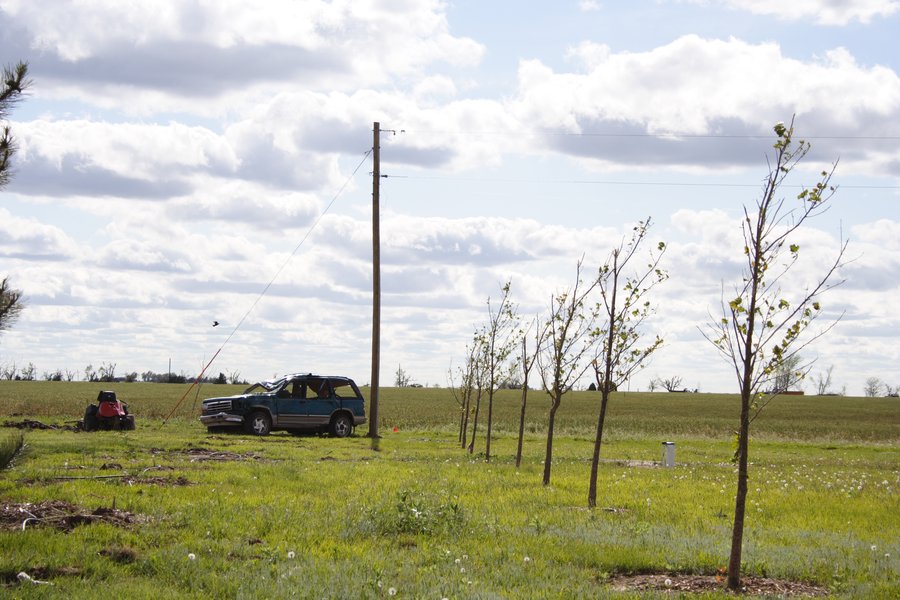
x=478, y=383
x=761, y=327
x=564, y=356
x=499, y=339
x=624, y=306
x=526, y=361
x=462, y=392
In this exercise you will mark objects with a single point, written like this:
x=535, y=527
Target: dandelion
x=527, y=559
x=874, y=547
x=668, y=583
x=462, y=569
x=392, y=591
x=458, y=560
x=191, y=556
x=291, y=554
x=887, y=554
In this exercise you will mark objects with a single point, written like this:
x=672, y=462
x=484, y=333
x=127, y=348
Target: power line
x=620, y=182
x=662, y=135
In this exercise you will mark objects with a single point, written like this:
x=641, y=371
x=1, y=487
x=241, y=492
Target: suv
x=296, y=403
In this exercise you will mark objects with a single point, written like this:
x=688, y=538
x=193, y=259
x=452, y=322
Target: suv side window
x=298, y=388
x=317, y=389
x=343, y=389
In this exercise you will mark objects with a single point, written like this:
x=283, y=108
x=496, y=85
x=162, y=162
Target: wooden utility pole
x=376, y=285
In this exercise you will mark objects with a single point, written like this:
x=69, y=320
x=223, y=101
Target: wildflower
x=462, y=569
x=191, y=556
x=527, y=559
x=874, y=547
x=668, y=583
x=458, y=560
x=291, y=554
x=392, y=591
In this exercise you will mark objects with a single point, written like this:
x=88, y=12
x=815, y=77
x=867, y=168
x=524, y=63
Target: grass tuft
x=415, y=512
x=10, y=446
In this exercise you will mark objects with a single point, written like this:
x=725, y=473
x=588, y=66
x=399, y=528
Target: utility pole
x=376, y=285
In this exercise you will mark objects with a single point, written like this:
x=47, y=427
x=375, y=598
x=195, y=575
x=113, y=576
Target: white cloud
x=26, y=238
x=823, y=12
x=696, y=86
x=147, y=57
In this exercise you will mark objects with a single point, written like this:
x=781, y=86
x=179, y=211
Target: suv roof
x=271, y=384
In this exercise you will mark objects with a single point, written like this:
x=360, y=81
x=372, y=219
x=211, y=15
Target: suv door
x=290, y=405
x=320, y=401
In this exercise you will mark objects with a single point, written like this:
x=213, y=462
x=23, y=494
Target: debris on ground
x=203, y=454
x=61, y=515
x=751, y=585
x=32, y=424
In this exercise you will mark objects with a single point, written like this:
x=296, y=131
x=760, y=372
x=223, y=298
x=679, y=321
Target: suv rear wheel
x=258, y=423
x=341, y=426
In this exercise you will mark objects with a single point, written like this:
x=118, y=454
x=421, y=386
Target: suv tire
x=258, y=423
x=341, y=426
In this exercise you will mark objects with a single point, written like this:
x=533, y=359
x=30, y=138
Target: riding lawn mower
x=108, y=413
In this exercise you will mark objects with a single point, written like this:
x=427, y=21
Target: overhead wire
x=617, y=182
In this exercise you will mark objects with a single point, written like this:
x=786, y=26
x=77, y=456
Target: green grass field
x=233, y=516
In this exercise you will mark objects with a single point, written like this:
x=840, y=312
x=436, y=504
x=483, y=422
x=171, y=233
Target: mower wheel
x=90, y=418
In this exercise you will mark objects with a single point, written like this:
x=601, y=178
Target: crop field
x=170, y=511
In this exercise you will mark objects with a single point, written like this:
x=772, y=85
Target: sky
x=185, y=162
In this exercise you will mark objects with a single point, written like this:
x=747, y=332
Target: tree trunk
x=548, y=457
x=522, y=423
x=740, y=499
x=475, y=422
x=595, y=461
x=464, y=419
x=487, y=446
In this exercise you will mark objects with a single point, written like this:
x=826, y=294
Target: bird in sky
x=215, y=323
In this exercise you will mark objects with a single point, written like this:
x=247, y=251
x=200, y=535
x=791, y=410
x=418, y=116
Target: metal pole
x=376, y=285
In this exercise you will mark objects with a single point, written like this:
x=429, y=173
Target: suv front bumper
x=221, y=420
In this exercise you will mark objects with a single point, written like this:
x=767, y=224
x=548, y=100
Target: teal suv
x=296, y=403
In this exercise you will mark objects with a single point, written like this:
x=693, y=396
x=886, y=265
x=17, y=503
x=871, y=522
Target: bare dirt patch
x=757, y=586
x=61, y=515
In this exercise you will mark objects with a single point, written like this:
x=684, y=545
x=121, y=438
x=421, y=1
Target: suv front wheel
x=341, y=426
x=258, y=423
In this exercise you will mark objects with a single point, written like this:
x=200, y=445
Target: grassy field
x=187, y=514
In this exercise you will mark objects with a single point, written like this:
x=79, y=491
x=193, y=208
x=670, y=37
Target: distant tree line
x=106, y=373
